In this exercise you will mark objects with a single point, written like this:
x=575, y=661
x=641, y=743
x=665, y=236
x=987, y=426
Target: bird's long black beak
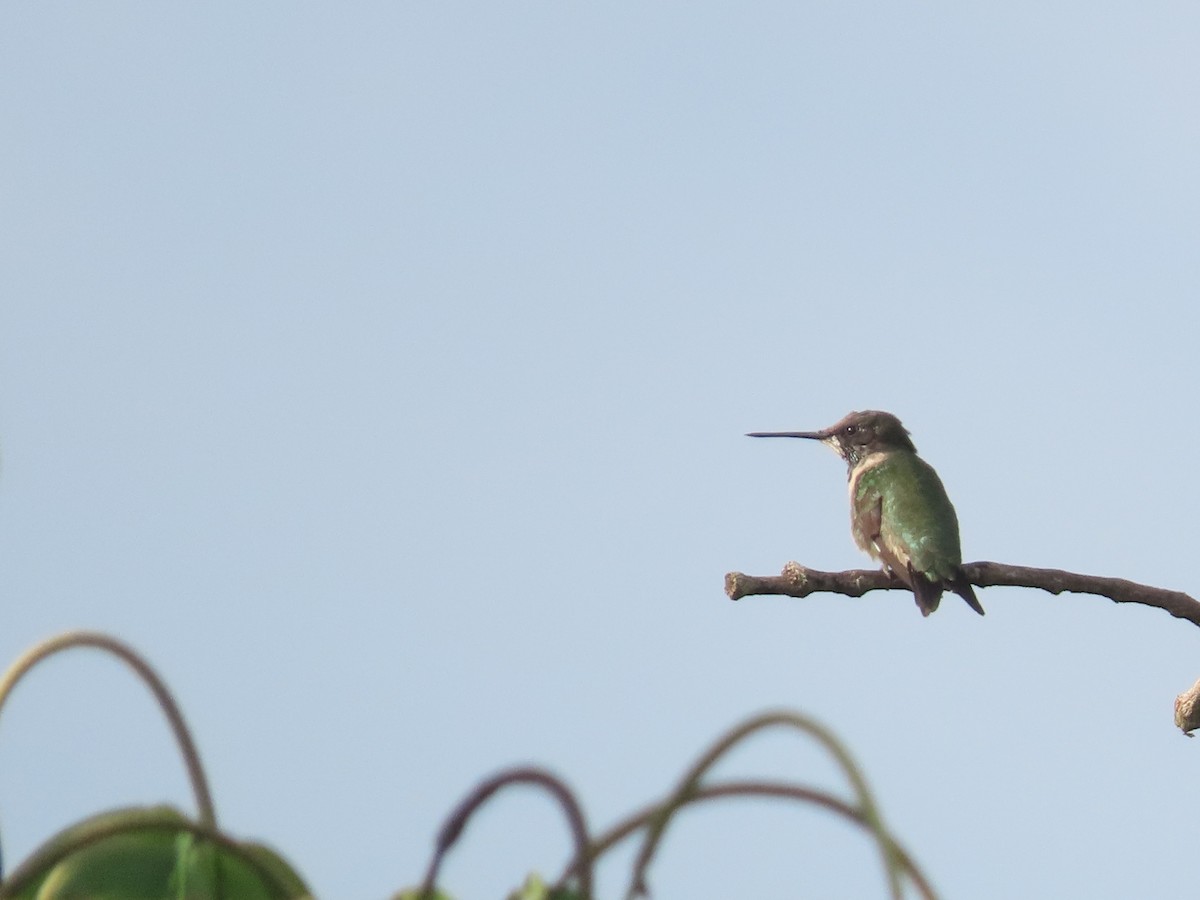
x=811, y=435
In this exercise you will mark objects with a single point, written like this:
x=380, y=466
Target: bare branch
x=800, y=581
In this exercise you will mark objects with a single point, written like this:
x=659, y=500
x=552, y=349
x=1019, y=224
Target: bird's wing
x=870, y=516
x=870, y=528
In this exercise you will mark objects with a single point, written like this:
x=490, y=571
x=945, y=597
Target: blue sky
x=381, y=370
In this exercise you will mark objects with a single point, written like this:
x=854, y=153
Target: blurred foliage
x=535, y=888
x=151, y=854
x=157, y=853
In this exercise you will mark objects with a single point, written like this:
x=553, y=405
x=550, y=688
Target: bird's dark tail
x=963, y=588
x=928, y=594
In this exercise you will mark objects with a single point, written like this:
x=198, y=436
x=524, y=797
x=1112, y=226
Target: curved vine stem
x=187, y=747
x=452, y=830
x=690, y=784
x=728, y=789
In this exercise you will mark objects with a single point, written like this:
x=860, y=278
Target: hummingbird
x=899, y=512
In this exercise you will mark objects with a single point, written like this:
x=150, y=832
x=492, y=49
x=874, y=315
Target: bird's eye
x=850, y=429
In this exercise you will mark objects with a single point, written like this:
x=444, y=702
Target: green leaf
x=535, y=888
x=151, y=854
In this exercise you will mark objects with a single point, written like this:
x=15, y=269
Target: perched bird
x=899, y=511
